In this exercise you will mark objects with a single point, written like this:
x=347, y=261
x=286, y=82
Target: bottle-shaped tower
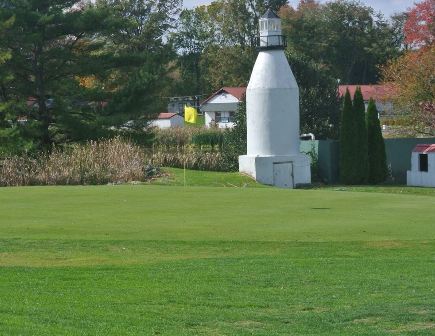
x=272, y=108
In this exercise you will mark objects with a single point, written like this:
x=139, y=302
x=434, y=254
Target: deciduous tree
x=345, y=36
x=412, y=76
x=319, y=101
x=419, y=27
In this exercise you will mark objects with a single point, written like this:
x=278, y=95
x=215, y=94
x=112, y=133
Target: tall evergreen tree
x=347, y=141
x=84, y=66
x=51, y=45
x=377, y=157
x=359, y=131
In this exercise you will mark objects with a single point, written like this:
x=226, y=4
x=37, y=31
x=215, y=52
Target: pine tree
x=360, y=156
x=51, y=45
x=377, y=157
x=347, y=141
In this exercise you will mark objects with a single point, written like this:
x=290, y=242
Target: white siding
x=222, y=102
x=175, y=121
x=417, y=178
x=210, y=118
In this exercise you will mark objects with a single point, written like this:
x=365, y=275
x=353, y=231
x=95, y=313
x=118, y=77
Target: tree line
x=75, y=70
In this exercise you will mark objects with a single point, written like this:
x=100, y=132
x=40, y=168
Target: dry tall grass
x=183, y=136
x=188, y=157
x=109, y=161
x=193, y=148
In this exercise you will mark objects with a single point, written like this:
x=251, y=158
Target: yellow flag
x=190, y=114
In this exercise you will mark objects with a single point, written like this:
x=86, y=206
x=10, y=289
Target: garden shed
x=168, y=120
x=422, y=173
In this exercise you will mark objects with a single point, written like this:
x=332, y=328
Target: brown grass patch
x=388, y=244
x=367, y=320
x=419, y=326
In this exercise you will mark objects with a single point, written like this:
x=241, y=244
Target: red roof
x=166, y=115
x=377, y=92
x=237, y=92
x=424, y=148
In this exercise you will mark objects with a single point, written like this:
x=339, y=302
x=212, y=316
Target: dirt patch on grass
x=388, y=244
x=314, y=309
x=412, y=327
x=249, y=324
x=422, y=312
x=367, y=320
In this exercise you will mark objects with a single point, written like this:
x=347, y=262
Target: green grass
x=389, y=189
x=196, y=178
x=169, y=260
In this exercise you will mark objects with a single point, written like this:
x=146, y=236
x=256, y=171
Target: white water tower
x=272, y=112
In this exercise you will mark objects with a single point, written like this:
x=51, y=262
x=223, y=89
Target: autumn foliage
x=419, y=27
x=412, y=77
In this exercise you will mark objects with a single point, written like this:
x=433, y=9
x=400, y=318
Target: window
x=262, y=25
x=232, y=115
x=217, y=117
x=423, y=162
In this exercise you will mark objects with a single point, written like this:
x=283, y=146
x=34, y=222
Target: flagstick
x=184, y=171
x=184, y=165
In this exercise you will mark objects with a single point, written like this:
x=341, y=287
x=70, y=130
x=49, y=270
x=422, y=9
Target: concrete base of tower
x=281, y=171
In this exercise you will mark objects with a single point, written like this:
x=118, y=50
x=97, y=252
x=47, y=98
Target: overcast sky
x=387, y=7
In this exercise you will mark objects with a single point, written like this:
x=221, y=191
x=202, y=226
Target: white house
x=220, y=108
x=422, y=173
x=167, y=120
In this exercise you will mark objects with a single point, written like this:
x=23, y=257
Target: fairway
x=173, y=260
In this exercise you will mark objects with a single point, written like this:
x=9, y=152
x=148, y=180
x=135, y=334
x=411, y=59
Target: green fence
x=327, y=152
x=398, y=157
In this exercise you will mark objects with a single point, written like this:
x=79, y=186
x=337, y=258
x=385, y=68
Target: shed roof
x=424, y=148
x=377, y=92
x=237, y=92
x=166, y=115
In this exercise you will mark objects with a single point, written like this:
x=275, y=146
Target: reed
x=108, y=161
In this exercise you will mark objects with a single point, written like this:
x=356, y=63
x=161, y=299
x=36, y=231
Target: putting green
x=224, y=214
x=161, y=260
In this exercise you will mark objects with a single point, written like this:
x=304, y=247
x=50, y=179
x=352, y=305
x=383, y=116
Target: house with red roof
x=167, y=120
x=422, y=173
x=219, y=109
x=381, y=94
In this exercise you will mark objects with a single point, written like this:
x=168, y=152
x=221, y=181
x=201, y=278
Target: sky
x=387, y=7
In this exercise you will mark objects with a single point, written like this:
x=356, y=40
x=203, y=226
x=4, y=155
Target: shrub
x=210, y=137
x=314, y=158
